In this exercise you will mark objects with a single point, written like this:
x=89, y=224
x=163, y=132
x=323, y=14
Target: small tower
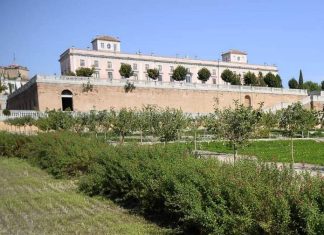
x=106, y=43
x=235, y=56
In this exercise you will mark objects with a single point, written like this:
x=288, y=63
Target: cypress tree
x=300, y=80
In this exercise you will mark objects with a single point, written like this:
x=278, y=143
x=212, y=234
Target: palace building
x=106, y=57
x=107, y=89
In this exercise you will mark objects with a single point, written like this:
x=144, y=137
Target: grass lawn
x=32, y=202
x=305, y=151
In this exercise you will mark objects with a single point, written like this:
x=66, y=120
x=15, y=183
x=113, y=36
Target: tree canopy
x=126, y=70
x=311, y=86
x=204, y=74
x=301, y=79
x=230, y=77
x=250, y=79
x=84, y=72
x=272, y=80
x=153, y=73
x=293, y=84
x=179, y=73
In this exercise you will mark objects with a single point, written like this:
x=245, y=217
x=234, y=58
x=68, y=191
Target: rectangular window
x=109, y=65
x=96, y=74
x=214, y=71
x=171, y=68
x=147, y=67
x=134, y=66
x=96, y=63
x=160, y=78
x=160, y=67
x=110, y=75
x=135, y=76
x=82, y=63
x=102, y=45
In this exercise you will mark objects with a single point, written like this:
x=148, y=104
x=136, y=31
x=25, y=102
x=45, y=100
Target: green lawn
x=32, y=202
x=306, y=151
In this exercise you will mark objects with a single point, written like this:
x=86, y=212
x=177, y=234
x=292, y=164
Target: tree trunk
x=292, y=150
x=122, y=138
x=141, y=137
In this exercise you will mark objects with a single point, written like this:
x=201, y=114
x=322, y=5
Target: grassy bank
x=305, y=151
x=32, y=202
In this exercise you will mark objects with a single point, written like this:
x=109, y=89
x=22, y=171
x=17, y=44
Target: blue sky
x=287, y=33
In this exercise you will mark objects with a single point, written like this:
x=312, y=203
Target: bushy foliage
x=62, y=154
x=153, y=73
x=55, y=120
x=204, y=74
x=206, y=197
x=272, y=80
x=179, y=73
x=311, y=86
x=126, y=70
x=85, y=72
x=250, y=79
x=293, y=84
x=230, y=77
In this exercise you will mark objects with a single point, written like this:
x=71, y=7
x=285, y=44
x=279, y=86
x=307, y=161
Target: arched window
x=67, y=100
x=247, y=101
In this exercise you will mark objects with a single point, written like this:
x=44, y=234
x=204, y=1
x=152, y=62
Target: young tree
x=295, y=118
x=227, y=76
x=123, y=122
x=300, y=80
x=311, y=86
x=322, y=85
x=272, y=81
x=250, y=79
x=278, y=81
x=85, y=72
x=153, y=73
x=126, y=70
x=204, y=74
x=238, y=124
x=170, y=122
x=179, y=73
x=236, y=80
x=293, y=84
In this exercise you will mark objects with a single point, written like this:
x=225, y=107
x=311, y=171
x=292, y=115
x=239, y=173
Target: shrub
x=11, y=144
x=204, y=196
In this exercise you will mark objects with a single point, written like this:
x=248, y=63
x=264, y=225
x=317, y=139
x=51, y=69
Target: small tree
x=153, y=73
x=170, y=121
x=322, y=85
x=238, y=124
x=272, y=81
x=300, y=80
x=204, y=74
x=293, y=84
x=123, y=122
x=84, y=72
x=179, y=73
x=311, y=86
x=295, y=118
x=250, y=79
x=126, y=70
x=227, y=76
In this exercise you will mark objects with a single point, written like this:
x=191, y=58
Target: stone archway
x=247, y=101
x=67, y=100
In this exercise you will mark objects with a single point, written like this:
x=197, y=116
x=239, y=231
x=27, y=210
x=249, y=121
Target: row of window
x=147, y=66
